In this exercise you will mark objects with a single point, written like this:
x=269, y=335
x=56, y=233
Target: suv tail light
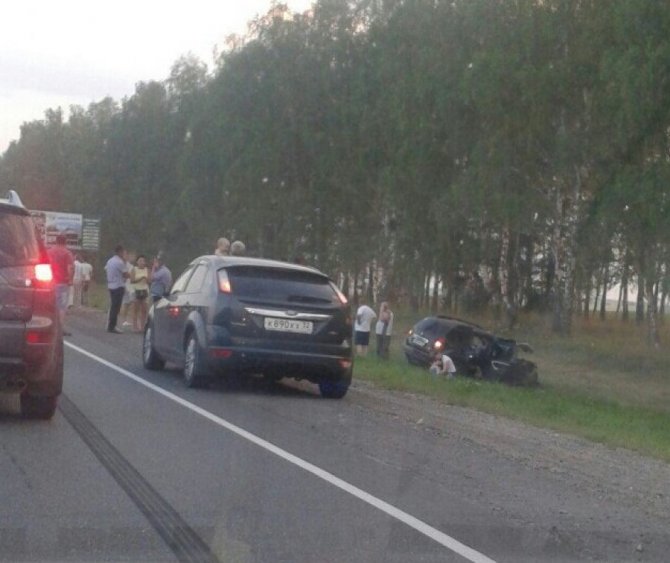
x=44, y=273
x=341, y=296
x=224, y=282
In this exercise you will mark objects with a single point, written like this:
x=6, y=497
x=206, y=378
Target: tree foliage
x=464, y=152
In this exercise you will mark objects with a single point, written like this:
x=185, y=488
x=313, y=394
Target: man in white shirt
x=117, y=274
x=77, y=281
x=364, y=317
x=86, y=278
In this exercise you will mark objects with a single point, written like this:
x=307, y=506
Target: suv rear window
x=18, y=243
x=281, y=285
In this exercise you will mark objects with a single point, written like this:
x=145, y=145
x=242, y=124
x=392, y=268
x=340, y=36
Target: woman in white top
x=383, y=330
x=139, y=276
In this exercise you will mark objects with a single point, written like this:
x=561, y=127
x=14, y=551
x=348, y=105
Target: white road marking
x=411, y=521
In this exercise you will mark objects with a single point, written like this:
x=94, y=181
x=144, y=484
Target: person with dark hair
x=117, y=274
x=62, y=264
x=161, y=278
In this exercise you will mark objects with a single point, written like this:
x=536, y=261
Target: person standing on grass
x=86, y=278
x=77, y=280
x=117, y=274
x=383, y=330
x=160, y=279
x=364, y=317
x=62, y=265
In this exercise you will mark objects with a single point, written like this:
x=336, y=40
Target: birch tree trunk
x=503, y=276
x=652, y=313
x=564, y=241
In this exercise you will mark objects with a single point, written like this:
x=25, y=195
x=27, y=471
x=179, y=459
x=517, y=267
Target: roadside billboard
x=50, y=224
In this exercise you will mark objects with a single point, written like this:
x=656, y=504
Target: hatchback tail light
x=224, y=282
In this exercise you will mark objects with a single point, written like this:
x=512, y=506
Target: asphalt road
x=134, y=467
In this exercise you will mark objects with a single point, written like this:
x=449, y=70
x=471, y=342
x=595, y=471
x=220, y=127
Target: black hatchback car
x=31, y=339
x=475, y=351
x=229, y=315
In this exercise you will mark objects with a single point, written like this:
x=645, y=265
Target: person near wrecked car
x=384, y=330
x=364, y=317
x=161, y=278
x=443, y=365
x=117, y=274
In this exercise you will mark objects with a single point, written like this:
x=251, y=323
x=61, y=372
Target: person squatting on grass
x=443, y=365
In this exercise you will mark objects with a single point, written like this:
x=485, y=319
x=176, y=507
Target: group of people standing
x=225, y=248
x=383, y=329
x=131, y=283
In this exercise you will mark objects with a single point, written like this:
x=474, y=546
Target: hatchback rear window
x=281, y=285
x=18, y=243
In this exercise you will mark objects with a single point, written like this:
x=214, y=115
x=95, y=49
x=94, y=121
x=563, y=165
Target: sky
x=74, y=52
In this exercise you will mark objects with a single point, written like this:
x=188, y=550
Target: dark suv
x=31, y=339
x=236, y=315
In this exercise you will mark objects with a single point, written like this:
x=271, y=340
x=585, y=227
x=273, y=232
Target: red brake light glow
x=43, y=273
x=38, y=337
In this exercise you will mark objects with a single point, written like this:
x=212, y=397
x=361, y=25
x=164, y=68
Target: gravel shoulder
x=618, y=474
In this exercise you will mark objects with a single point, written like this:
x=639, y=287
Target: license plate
x=418, y=340
x=288, y=325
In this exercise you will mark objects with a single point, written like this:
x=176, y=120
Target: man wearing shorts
x=62, y=265
x=364, y=317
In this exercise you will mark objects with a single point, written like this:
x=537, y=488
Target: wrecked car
x=475, y=351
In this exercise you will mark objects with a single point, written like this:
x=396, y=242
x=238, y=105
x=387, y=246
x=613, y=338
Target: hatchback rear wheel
x=195, y=372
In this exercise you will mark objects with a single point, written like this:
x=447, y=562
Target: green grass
x=603, y=382
x=641, y=429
